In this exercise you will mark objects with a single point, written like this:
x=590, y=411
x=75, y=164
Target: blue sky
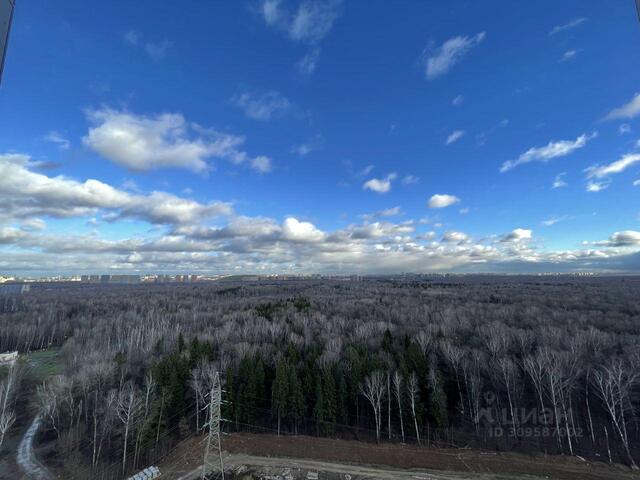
x=320, y=136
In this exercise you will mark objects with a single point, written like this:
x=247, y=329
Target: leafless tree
x=613, y=383
x=413, y=390
x=128, y=407
x=373, y=389
x=397, y=386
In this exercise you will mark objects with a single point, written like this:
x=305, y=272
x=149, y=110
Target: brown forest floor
x=189, y=455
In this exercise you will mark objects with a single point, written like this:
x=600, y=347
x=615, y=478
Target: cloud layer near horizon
x=212, y=237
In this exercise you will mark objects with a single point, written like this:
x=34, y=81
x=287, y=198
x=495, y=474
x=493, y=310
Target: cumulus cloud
x=262, y=106
x=453, y=236
x=142, y=143
x=625, y=238
x=442, y=200
x=379, y=185
x=454, y=137
x=518, y=235
x=438, y=62
x=627, y=111
x=25, y=194
x=259, y=244
x=297, y=231
x=550, y=151
x=567, y=26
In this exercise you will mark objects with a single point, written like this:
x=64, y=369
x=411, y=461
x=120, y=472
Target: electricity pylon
x=213, y=450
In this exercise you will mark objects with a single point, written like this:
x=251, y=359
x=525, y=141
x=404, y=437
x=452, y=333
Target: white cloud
x=570, y=55
x=441, y=200
x=454, y=137
x=548, y=152
x=483, y=136
x=132, y=37
x=297, y=231
x=410, y=180
x=58, y=139
x=464, y=211
x=262, y=106
x=636, y=183
x=453, y=236
x=26, y=194
x=33, y=224
x=459, y=100
x=595, y=187
x=310, y=23
x=616, y=167
x=387, y=212
x=518, y=235
x=380, y=185
x=366, y=170
x=306, y=148
x=157, y=50
x=623, y=239
x=567, y=26
x=307, y=64
x=559, y=181
x=624, y=129
x=553, y=220
x=452, y=51
x=261, y=164
x=627, y=111
x=142, y=143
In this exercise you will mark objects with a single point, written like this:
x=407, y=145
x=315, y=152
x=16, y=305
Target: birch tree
x=613, y=383
x=373, y=389
x=397, y=387
x=128, y=407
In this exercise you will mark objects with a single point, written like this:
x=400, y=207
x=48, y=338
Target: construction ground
x=250, y=456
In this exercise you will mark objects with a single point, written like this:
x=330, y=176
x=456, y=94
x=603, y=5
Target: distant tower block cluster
x=110, y=278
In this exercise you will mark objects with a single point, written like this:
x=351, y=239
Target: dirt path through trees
x=26, y=457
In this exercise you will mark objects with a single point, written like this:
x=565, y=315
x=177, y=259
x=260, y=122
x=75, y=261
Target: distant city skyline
x=330, y=136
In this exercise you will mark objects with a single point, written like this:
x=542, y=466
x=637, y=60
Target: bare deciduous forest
x=531, y=364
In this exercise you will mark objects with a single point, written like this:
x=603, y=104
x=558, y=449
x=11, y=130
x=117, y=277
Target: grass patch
x=44, y=362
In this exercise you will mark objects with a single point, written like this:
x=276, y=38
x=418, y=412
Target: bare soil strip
x=438, y=462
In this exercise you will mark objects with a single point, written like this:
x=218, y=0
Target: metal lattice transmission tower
x=213, y=449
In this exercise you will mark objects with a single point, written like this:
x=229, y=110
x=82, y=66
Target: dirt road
x=26, y=458
x=390, y=460
x=356, y=472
